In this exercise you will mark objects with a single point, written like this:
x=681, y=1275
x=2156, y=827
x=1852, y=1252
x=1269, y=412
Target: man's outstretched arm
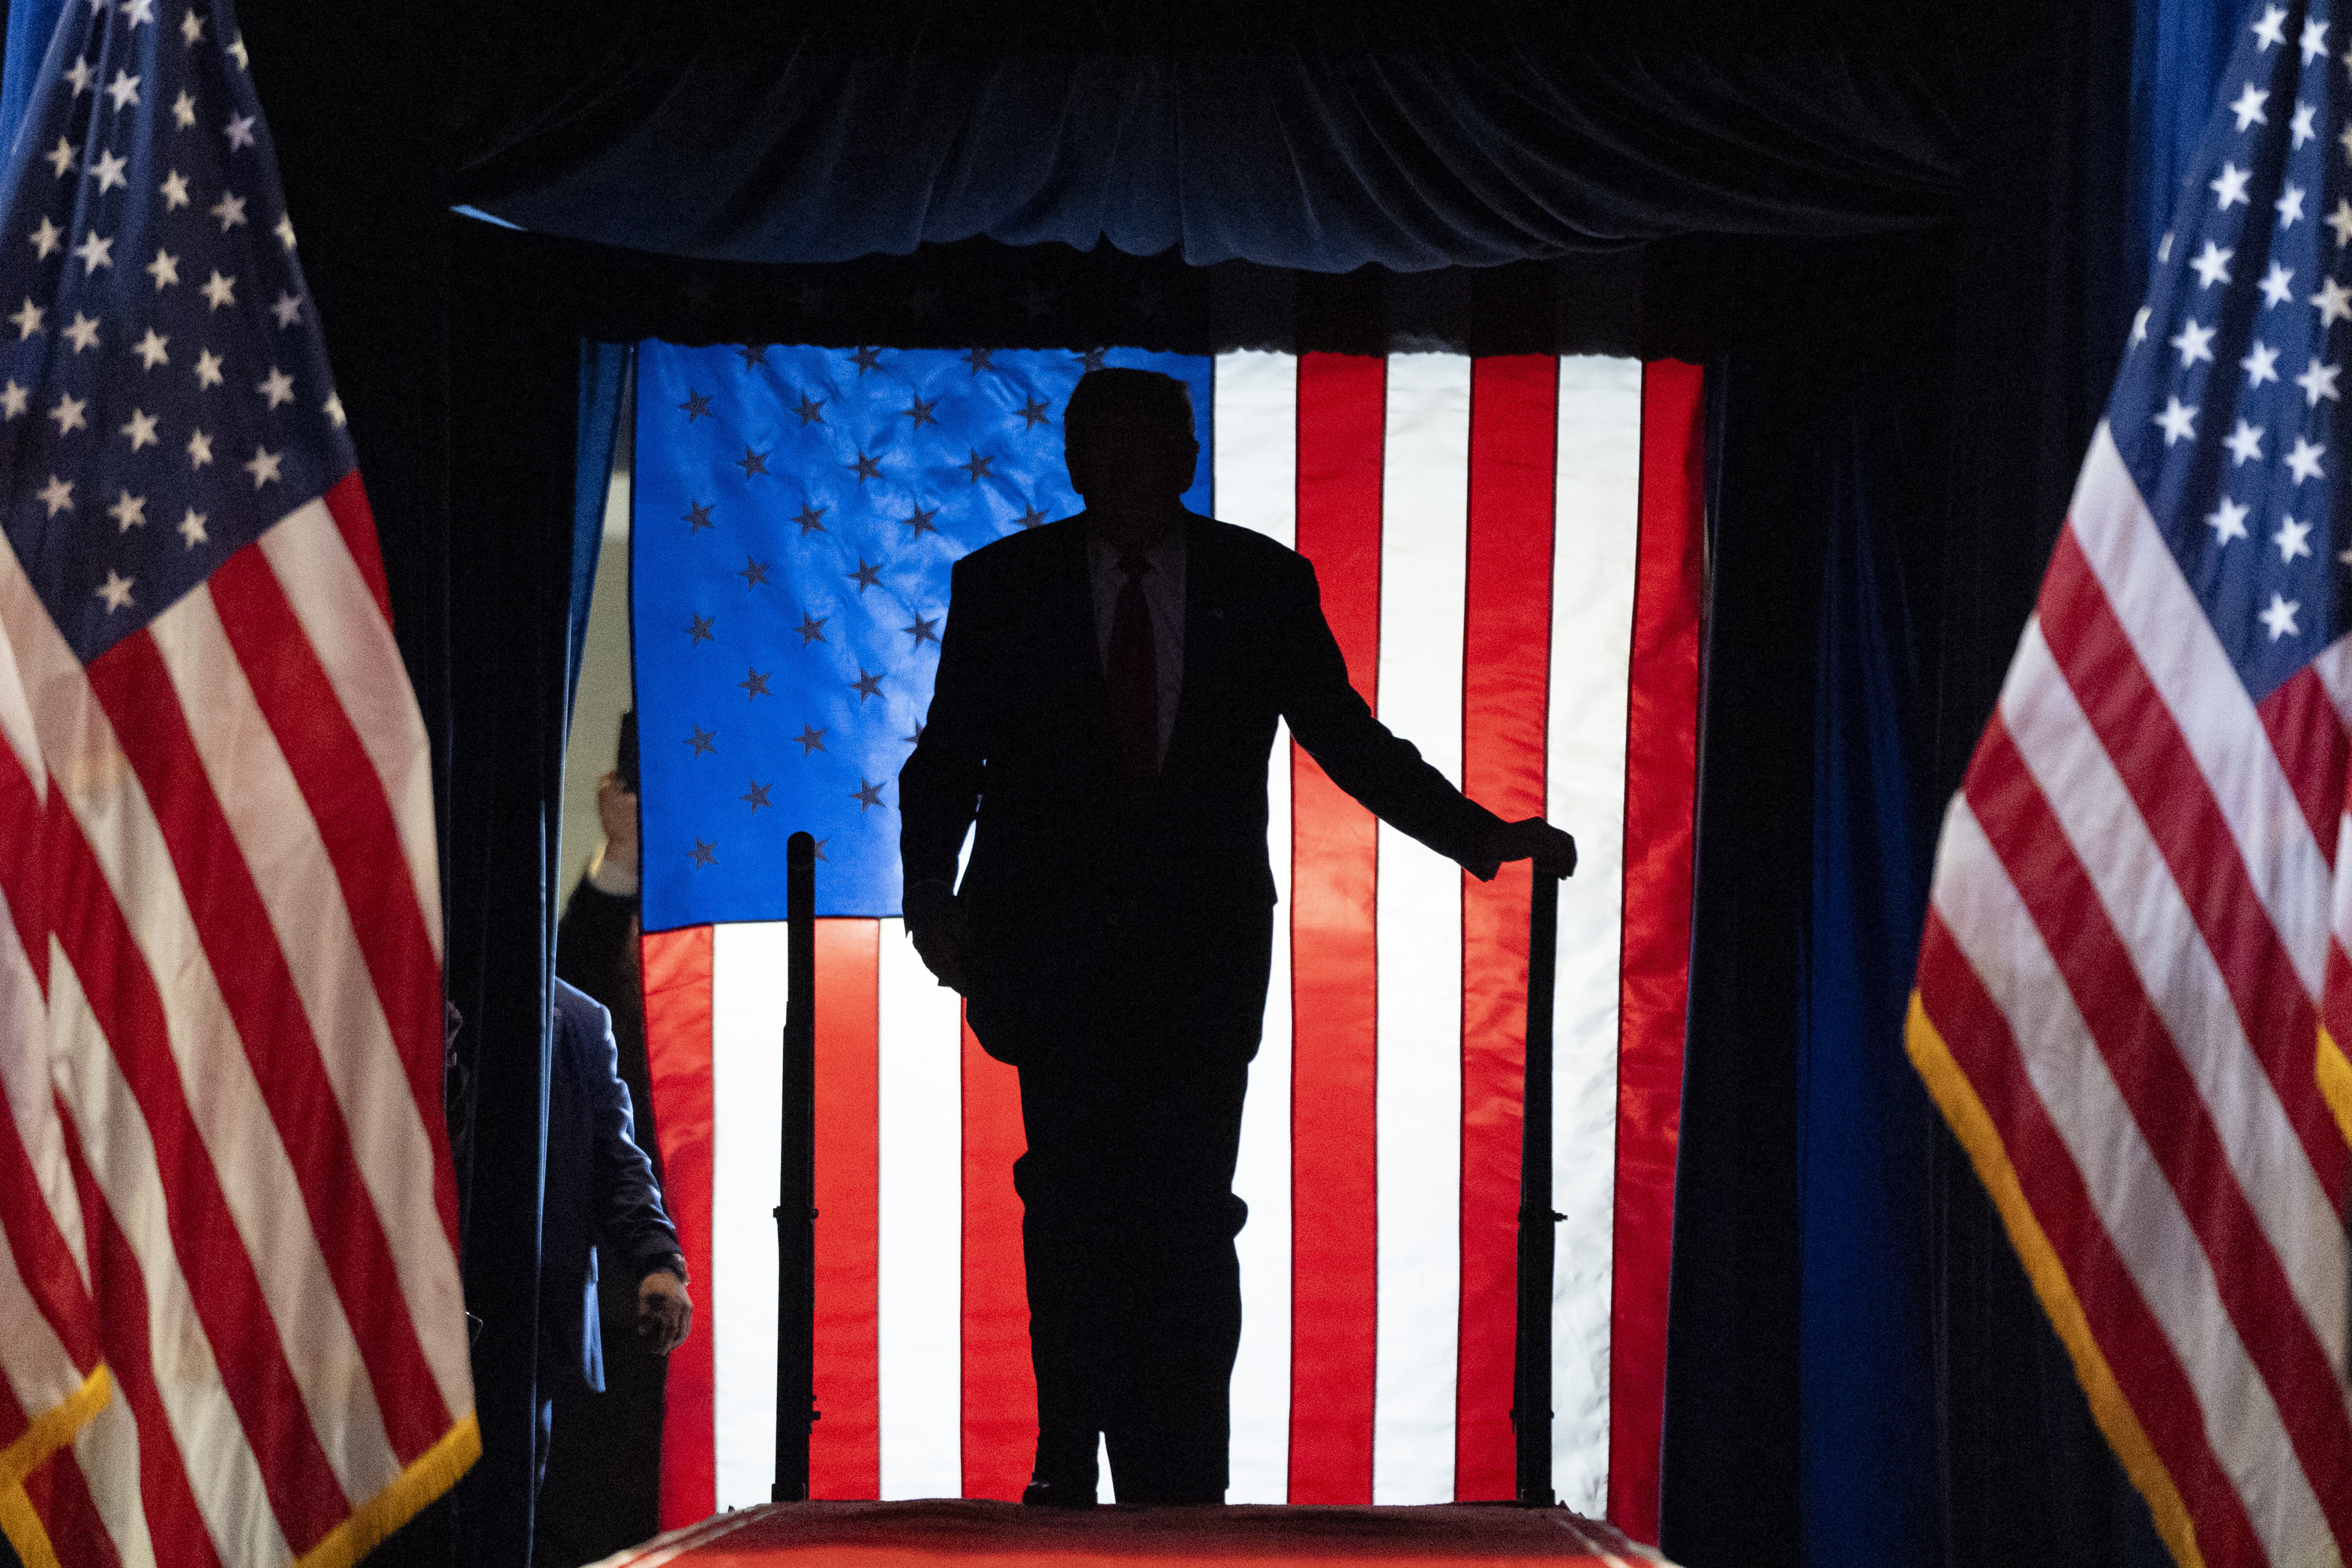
x=1384, y=770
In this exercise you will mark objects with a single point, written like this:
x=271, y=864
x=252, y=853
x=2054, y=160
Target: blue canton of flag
x=797, y=513
x=165, y=395
x=2228, y=410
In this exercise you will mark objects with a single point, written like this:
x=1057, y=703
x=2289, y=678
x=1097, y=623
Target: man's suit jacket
x=1065, y=855
x=600, y=1196
x=597, y=950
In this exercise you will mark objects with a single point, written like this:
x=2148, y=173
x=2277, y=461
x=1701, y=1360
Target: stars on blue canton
x=801, y=512
x=2228, y=409
x=165, y=395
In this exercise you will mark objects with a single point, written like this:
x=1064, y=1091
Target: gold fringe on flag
x=1973, y=1125
x=2335, y=1082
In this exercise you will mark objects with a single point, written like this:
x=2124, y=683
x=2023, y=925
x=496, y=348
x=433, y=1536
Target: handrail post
x=1531, y=1360
x=796, y=1183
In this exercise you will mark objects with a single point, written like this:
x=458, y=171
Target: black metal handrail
x=796, y=1215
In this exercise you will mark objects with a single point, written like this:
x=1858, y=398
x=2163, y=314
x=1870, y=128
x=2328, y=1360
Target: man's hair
x=1145, y=395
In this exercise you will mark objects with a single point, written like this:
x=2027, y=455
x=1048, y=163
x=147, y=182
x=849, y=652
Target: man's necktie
x=1134, y=678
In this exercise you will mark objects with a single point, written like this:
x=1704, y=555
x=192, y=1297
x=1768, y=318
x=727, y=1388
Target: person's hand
x=665, y=1311
x=942, y=935
x=616, y=810
x=1553, y=852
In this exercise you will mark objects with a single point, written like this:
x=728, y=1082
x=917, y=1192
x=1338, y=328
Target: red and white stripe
x=1509, y=553
x=2119, y=994
x=224, y=886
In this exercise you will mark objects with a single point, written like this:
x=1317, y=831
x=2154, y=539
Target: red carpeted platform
x=926, y=1534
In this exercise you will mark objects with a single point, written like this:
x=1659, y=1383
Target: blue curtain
x=606, y=375
x=2180, y=49
x=1803, y=1413
x=1320, y=137
x=1865, y=1131
x=31, y=24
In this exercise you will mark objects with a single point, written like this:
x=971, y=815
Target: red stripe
x=241, y=1332
x=20, y=863
x=44, y=1260
x=1505, y=682
x=1000, y=1387
x=347, y=503
x=1653, y=982
x=2129, y=1337
x=339, y=783
x=845, y=1450
x=675, y=965
x=165, y=1499
x=2138, y=731
x=1342, y=403
x=2335, y=1003
x=2307, y=733
x=233, y=925
x=2174, y=1119
x=59, y=1494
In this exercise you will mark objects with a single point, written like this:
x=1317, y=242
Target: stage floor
x=924, y=1533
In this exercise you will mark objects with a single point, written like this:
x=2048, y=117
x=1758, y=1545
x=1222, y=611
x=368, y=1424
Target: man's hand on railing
x=1553, y=851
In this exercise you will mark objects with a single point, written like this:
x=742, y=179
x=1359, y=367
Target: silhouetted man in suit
x=1108, y=691
x=603, y=1485
x=601, y=1212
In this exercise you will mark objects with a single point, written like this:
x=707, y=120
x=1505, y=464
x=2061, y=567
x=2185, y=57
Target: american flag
x=2138, y=928
x=1509, y=553
x=234, y=1328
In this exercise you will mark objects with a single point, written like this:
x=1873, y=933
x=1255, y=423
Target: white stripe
x=1256, y=444
x=233, y=1119
x=2134, y=1204
x=1424, y=520
x=750, y=976
x=1256, y=451
x=24, y=1073
x=24, y=1080
x=2334, y=668
x=2177, y=971
x=354, y=644
x=16, y=722
x=281, y=845
x=222, y=1472
x=39, y=1372
x=106, y=1450
x=2185, y=662
x=918, y=1220
x=1260, y=1461
x=1595, y=557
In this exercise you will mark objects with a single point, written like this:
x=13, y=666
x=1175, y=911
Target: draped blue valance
x=1316, y=146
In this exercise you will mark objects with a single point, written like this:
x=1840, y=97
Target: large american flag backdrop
x=2136, y=943
x=233, y=1333
x=1508, y=552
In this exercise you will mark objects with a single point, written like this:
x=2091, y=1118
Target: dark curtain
x=1857, y=1369
x=464, y=416
x=1896, y=422
x=1799, y=1418
x=1322, y=137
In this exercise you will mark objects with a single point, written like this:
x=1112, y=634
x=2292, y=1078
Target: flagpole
x=796, y=1183
x=1531, y=1360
